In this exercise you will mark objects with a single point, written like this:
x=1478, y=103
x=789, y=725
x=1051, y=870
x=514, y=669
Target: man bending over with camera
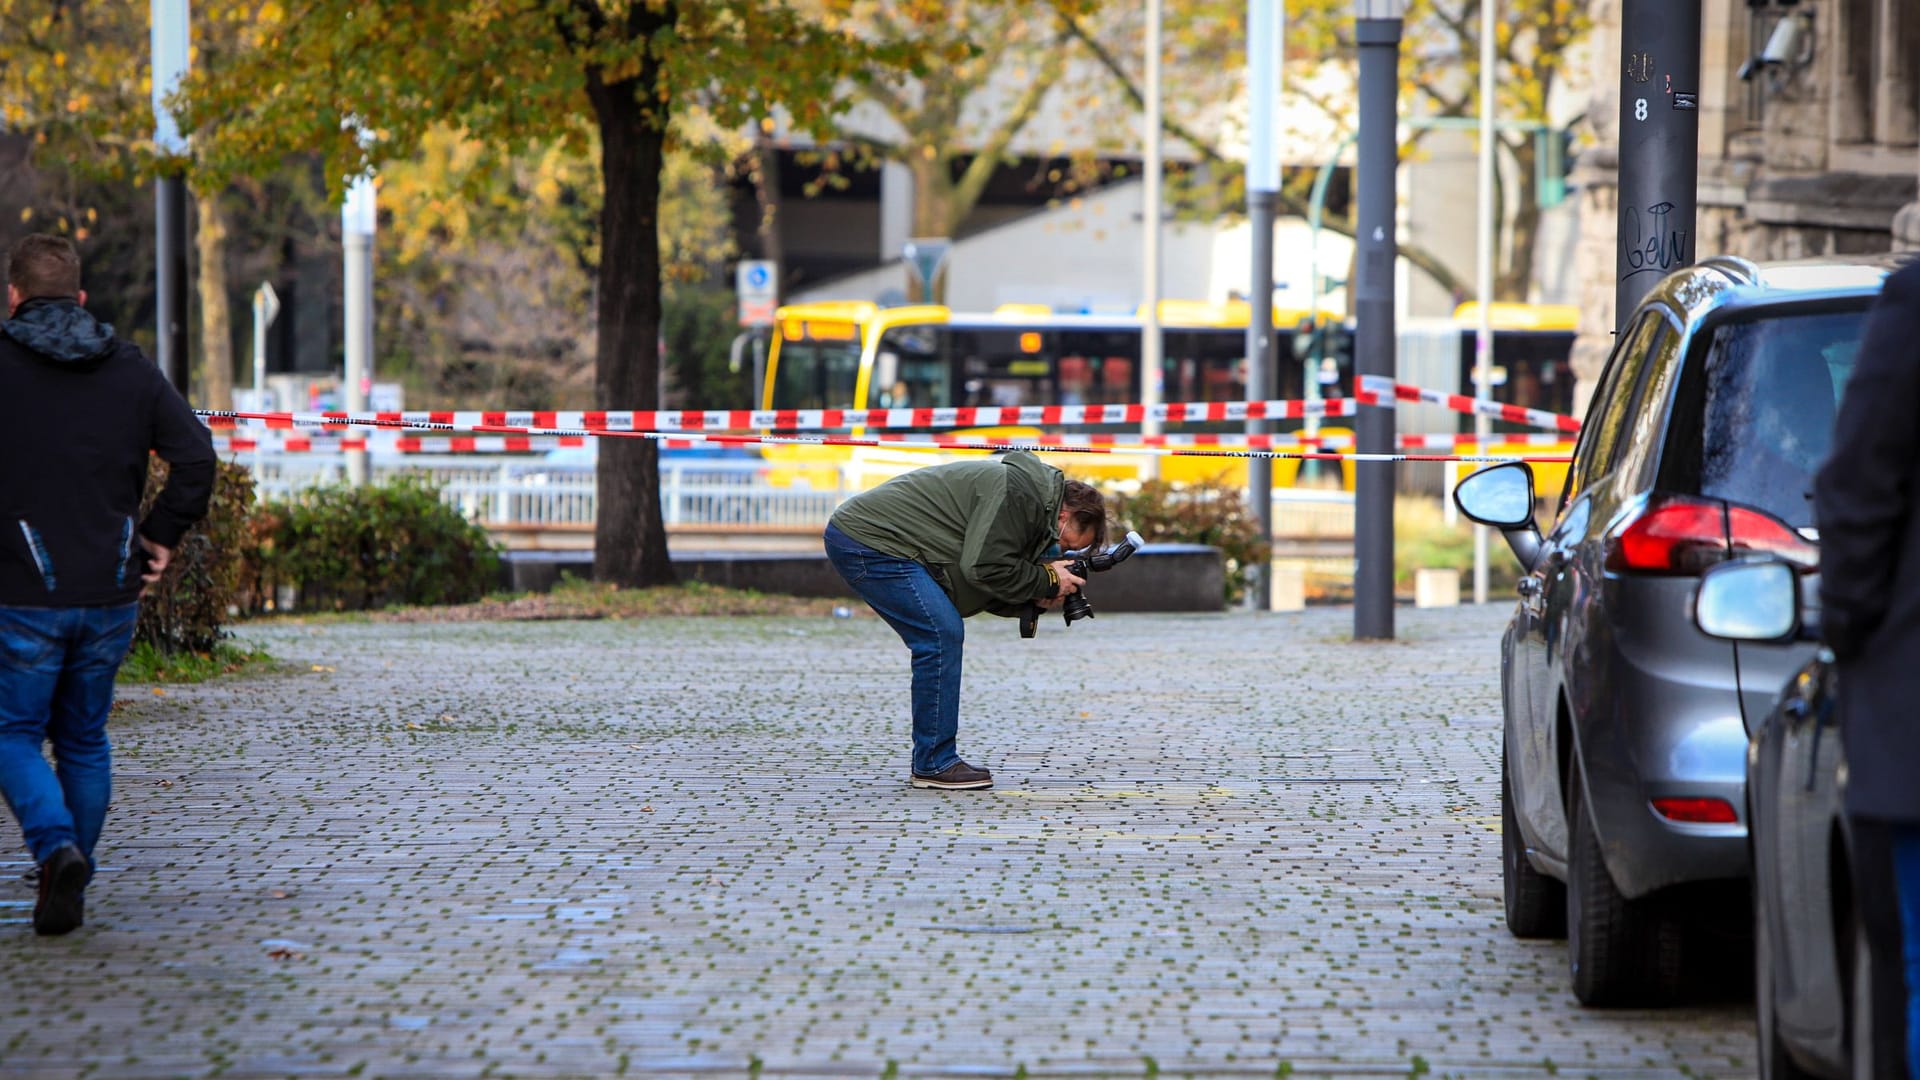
x=935, y=545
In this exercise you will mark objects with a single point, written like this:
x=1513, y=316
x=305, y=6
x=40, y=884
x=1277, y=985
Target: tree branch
x=1419, y=256
x=980, y=170
x=880, y=148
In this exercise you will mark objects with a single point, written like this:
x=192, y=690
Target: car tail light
x=1754, y=532
x=1697, y=811
x=1686, y=536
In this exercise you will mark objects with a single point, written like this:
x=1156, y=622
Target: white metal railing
x=1313, y=513
x=693, y=492
x=522, y=492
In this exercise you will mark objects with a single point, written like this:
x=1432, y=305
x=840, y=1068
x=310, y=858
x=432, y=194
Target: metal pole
x=259, y=346
x=1315, y=205
x=356, y=235
x=1659, y=145
x=1150, y=341
x=1266, y=22
x=1377, y=31
x=1483, y=285
x=169, y=36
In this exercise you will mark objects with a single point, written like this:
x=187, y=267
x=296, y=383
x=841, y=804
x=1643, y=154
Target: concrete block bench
x=1159, y=577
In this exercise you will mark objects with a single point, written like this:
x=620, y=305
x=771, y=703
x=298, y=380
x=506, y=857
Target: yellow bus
x=859, y=355
x=1532, y=368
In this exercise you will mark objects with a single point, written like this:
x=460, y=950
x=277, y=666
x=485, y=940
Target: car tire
x=1775, y=1062
x=1536, y=904
x=1620, y=952
x=1860, y=1009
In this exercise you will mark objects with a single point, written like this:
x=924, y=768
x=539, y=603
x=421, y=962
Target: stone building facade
x=1809, y=147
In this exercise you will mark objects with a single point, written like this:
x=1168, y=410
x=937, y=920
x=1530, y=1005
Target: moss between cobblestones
x=1230, y=844
x=576, y=599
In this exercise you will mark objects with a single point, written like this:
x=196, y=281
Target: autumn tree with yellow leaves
x=364, y=83
x=1205, y=54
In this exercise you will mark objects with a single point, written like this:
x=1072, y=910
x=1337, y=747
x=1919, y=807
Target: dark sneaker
x=958, y=776
x=63, y=892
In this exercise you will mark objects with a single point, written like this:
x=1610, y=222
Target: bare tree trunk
x=630, y=536
x=933, y=196
x=216, y=315
x=766, y=191
x=1516, y=280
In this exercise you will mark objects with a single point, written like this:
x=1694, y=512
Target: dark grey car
x=1623, y=766
x=1814, y=974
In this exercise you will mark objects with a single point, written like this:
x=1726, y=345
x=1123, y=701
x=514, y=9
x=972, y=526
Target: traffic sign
x=756, y=284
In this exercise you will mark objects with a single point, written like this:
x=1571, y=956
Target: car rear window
x=1753, y=418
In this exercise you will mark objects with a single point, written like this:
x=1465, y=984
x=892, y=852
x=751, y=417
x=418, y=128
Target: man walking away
x=87, y=410
x=1864, y=503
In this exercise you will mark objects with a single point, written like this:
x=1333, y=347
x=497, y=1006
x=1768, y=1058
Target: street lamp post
x=1659, y=145
x=1377, y=26
x=1266, y=32
x=1483, y=283
x=357, y=216
x=169, y=45
x=1150, y=340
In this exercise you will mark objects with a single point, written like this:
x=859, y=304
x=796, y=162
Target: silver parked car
x=1623, y=765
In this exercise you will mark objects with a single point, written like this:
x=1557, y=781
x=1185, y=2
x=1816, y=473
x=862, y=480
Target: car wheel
x=1536, y=903
x=1620, y=951
x=1775, y=1062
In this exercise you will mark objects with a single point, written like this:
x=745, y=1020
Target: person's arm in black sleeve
x=186, y=445
x=1862, y=494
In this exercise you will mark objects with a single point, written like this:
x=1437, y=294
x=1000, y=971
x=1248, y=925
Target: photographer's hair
x=1089, y=509
x=42, y=265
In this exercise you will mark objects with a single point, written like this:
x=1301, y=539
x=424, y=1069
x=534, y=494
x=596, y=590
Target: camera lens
x=1076, y=608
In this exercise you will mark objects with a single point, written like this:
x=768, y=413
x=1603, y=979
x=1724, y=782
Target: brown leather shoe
x=63, y=891
x=958, y=776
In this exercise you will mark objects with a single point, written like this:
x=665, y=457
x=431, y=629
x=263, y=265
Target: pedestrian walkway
x=1218, y=845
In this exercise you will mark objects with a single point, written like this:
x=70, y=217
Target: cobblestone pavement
x=1219, y=845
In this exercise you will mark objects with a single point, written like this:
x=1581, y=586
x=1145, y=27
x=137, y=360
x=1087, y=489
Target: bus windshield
x=816, y=374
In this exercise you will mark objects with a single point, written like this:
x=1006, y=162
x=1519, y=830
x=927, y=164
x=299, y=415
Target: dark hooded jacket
x=84, y=410
x=1864, y=499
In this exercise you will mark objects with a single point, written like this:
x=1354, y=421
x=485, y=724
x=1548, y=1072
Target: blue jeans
x=904, y=593
x=56, y=685
x=1906, y=873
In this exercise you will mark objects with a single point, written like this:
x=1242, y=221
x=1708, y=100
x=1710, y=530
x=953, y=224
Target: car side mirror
x=1750, y=600
x=1500, y=497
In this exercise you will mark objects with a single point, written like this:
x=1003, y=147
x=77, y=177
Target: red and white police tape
x=1383, y=387
x=297, y=441
x=219, y=419
x=1375, y=390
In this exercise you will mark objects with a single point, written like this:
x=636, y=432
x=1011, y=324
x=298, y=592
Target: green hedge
x=1206, y=512
x=354, y=549
x=188, y=608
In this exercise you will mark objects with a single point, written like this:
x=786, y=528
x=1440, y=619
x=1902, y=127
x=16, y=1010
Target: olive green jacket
x=982, y=527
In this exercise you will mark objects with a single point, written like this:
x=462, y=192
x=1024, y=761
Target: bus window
x=1205, y=364
x=912, y=370
x=815, y=374
x=1095, y=366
